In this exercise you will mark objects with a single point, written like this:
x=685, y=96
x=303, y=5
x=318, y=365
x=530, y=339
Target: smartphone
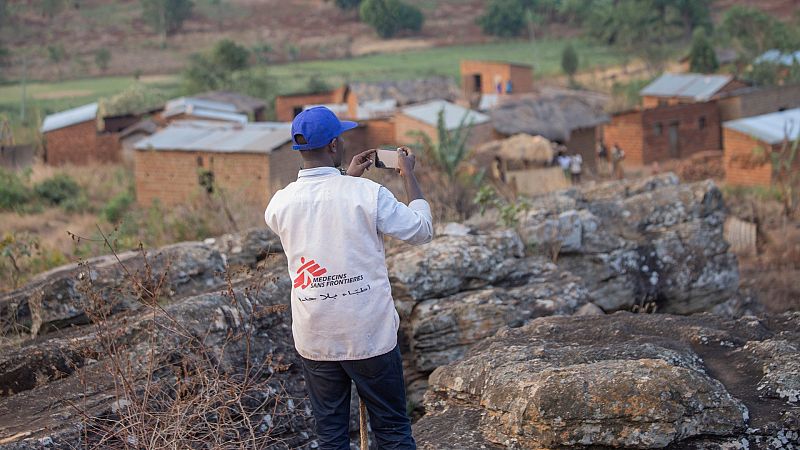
x=386, y=159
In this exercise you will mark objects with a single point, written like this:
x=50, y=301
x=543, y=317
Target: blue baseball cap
x=317, y=126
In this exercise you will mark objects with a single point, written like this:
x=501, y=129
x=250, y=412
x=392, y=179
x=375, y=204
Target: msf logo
x=307, y=272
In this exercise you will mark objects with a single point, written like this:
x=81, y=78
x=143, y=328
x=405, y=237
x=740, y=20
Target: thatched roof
x=551, y=113
x=520, y=147
x=406, y=92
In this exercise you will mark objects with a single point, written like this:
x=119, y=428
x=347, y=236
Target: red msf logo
x=306, y=272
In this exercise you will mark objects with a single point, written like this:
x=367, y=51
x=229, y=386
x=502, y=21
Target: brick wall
x=371, y=133
x=625, y=130
x=81, y=144
x=584, y=142
x=404, y=125
x=172, y=176
x=760, y=101
x=692, y=138
x=743, y=167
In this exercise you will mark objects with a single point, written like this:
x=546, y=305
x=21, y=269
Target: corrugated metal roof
x=189, y=105
x=771, y=128
x=376, y=109
x=777, y=57
x=197, y=135
x=694, y=85
x=339, y=109
x=69, y=117
x=453, y=114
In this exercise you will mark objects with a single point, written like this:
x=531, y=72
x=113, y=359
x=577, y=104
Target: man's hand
x=405, y=161
x=360, y=163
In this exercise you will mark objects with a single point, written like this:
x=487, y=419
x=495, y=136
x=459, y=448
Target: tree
x=51, y=8
x=503, y=18
x=569, y=61
x=702, y=58
x=645, y=28
x=347, y=4
x=229, y=55
x=751, y=31
x=225, y=66
x=166, y=16
x=101, y=58
x=388, y=17
x=56, y=55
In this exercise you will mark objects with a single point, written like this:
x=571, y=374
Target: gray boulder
x=622, y=380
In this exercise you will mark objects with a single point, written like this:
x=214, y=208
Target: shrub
x=504, y=18
x=57, y=189
x=117, y=207
x=388, y=17
x=13, y=192
x=702, y=58
x=347, y=4
x=569, y=60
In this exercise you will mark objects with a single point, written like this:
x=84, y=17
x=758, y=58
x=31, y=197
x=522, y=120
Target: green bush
x=504, y=18
x=388, y=17
x=57, y=189
x=117, y=207
x=347, y=4
x=13, y=191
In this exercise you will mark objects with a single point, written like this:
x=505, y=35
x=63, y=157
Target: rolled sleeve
x=412, y=224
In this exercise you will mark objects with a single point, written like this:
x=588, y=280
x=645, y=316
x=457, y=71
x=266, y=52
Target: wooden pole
x=362, y=413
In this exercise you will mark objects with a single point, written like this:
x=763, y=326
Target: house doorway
x=674, y=143
x=477, y=83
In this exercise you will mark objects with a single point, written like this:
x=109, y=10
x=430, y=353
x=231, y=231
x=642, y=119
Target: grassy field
x=544, y=55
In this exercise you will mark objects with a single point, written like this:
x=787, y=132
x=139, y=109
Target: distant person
x=575, y=168
x=617, y=155
x=509, y=87
x=602, y=159
x=564, y=163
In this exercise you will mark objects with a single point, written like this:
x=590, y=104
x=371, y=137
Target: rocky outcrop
x=638, y=242
x=53, y=299
x=622, y=380
x=477, y=303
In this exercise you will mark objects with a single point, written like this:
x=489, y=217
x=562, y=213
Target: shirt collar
x=318, y=172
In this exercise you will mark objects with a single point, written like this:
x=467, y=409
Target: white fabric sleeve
x=412, y=224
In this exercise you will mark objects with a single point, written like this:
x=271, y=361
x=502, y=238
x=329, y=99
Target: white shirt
x=331, y=229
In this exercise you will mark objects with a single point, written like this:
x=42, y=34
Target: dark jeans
x=379, y=381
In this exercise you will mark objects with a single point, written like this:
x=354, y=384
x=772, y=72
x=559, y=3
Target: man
x=564, y=162
x=617, y=155
x=344, y=321
x=575, y=168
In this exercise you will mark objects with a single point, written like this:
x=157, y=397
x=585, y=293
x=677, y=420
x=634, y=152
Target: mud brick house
x=482, y=82
x=287, y=107
x=573, y=118
x=194, y=108
x=72, y=137
x=749, y=142
x=755, y=101
x=253, y=108
x=247, y=163
x=424, y=117
x=665, y=132
x=682, y=88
